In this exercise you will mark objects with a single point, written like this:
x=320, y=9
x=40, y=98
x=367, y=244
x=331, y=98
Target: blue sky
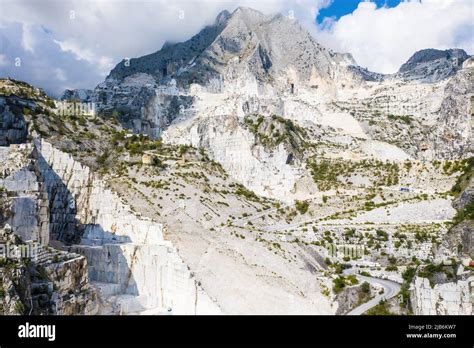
x=339, y=8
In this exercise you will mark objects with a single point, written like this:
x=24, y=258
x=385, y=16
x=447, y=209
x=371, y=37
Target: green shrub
x=338, y=284
x=302, y=206
x=403, y=118
x=352, y=279
x=465, y=214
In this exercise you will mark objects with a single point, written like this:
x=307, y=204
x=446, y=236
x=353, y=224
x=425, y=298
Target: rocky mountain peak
x=432, y=65
x=270, y=46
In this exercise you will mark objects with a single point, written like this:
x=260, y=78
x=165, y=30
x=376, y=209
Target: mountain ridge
x=250, y=63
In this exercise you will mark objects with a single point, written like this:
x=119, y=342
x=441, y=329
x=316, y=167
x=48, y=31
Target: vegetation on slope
x=465, y=212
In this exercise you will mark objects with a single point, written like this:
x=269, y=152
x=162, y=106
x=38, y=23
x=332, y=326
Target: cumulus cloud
x=384, y=38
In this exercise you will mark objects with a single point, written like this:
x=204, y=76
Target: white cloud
x=60, y=74
x=384, y=38
x=80, y=53
x=47, y=66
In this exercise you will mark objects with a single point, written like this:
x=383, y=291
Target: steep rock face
x=268, y=45
x=236, y=149
x=432, y=65
x=140, y=104
x=166, y=61
x=351, y=297
x=130, y=263
x=15, y=280
x=461, y=237
x=66, y=283
x=456, y=117
x=18, y=100
x=131, y=89
x=57, y=204
x=68, y=207
x=466, y=197
x=265, y=44
x=273, y=53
